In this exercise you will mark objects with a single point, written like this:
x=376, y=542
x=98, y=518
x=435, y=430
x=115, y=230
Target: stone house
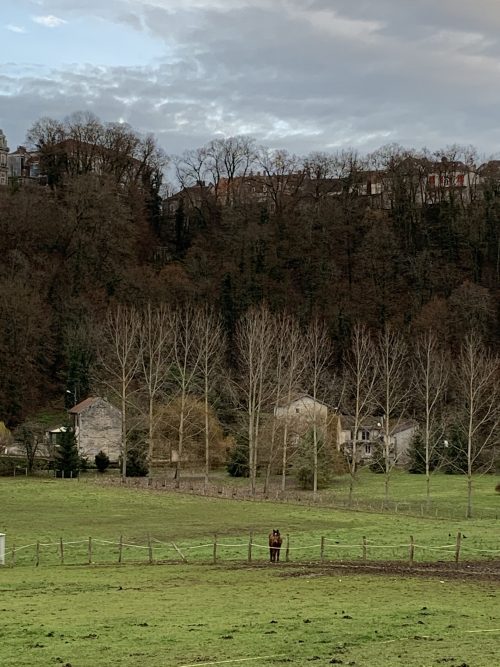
x=97, y=426
x=303, y=411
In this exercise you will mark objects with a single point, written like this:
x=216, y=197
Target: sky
x=305, y=75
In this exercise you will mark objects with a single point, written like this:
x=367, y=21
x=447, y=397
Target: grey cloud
x=360, y=73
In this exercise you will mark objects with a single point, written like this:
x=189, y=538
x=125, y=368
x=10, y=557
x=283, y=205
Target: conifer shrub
x=101, y=461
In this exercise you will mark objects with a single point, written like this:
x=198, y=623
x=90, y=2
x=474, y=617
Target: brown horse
x=275, y=543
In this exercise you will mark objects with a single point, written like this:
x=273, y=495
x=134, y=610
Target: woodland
x=96, y=240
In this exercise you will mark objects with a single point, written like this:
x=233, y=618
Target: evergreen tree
x=67, y=460
x=455, y=460
x=417, y=455
x=237, y=465
x=137, y=465
x=304, y=468
x=101, y=461
x=377, y=463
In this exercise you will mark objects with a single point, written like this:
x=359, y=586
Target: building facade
x=98, y=427
x=4, y=151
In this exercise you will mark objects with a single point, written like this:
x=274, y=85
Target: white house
x=97, y=426
x=370, y=433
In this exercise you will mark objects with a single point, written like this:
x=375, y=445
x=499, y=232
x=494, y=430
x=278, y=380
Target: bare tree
x=320, y=352
x=156, y=358
x=392, y=394
x=255, y=339
x=294, y=367
x=119, y=360
x=431, y=372
x=186, y=367
x=211, y=341
x=360, y=378
x=477, y=385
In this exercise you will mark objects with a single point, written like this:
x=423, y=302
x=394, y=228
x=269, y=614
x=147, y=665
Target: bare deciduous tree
x=360, y=377
x=186, y=367
x=431, y=371
x=255, y=339
x=392, y=393
x=294, y=367
x=156, y=358
x=211, y=341
x=320, y=352
x=477, y=384
x=119, y=359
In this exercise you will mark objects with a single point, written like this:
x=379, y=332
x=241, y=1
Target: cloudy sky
x=299, y=74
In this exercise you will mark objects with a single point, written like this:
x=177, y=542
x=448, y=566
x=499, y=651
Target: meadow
x=178, y=614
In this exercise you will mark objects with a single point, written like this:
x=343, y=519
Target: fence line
x=294, y=496
x=48, y=552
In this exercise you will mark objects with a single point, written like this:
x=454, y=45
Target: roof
x=84, y=405
x=373, y=423
x=299, y=397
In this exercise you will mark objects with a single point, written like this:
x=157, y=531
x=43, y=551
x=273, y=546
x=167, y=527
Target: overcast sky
x=298, y=74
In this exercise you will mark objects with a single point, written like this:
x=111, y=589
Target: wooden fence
x=97, y=551
x=293, y=496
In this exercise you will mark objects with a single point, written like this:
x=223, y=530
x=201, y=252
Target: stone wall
x=99, y=429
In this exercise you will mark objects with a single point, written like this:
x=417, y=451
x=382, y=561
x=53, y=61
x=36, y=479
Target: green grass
x=448, y=493
x=177, y=615
x=46, y=510
x=184, y=615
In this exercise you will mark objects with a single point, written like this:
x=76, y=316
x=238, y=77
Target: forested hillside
x=92, y=238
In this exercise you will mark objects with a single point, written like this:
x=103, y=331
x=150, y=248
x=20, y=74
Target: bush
x=237, y=463
x=101, y=461
x=136, y=463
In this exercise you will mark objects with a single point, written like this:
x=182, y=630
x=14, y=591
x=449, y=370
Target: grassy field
x=189, y=615
x=194, y=614
x=46, y=510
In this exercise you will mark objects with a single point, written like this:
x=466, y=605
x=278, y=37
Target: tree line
x=91, y=240
x=159, y=357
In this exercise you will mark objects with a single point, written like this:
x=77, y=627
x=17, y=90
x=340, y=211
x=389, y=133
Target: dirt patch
x=471, y=570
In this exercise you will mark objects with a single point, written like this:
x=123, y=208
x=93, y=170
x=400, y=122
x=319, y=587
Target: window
x=460, y=180
x=368, y=449
x=365, y=435
x=432, y=181
x=297, y=410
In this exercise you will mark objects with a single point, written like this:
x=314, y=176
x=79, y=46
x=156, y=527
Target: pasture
x=190, y=614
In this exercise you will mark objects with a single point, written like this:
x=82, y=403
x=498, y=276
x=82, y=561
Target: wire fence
x=251, y=549
x=326, y=498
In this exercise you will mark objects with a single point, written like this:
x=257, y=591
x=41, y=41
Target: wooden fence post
x=37, y=554
x=150, y=549
x=250, y=548
x=120, y=549
x=13, y=555
x=90, y=551
x=287, y=552
x=412, y=550
x=457, y=548
x=364, y=549
x=322, y=549
x=215, y=548
x=179, y=552
x=61, y=550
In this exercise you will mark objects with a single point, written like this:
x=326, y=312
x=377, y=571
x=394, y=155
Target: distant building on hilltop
x=4, y=151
